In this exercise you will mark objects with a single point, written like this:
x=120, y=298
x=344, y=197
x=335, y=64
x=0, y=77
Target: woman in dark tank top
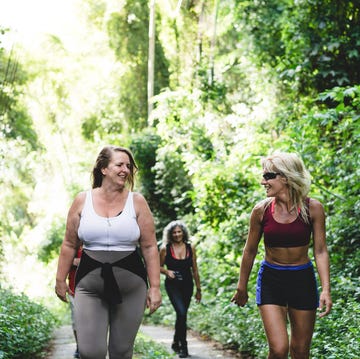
x=179, y=257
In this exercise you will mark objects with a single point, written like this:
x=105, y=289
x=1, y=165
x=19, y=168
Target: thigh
x=126, y=317
x=91, y=318
x=188, y=289
x=302, y=324
x=274, y=318
x=176, y=297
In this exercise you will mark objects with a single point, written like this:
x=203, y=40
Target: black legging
x=180, y=293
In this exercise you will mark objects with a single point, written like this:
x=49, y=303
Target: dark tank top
x=183, y=266
x=285, y=235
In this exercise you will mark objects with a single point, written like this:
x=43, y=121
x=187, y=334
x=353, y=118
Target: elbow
x=249, y=253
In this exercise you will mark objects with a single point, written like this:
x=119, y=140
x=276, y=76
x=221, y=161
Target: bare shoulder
x=139, y=199
x=315, y=204
x=140, y=204
x=259, y=209
x=78, y=202
x=316, y=208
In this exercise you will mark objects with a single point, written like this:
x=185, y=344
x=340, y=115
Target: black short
x=292, y=286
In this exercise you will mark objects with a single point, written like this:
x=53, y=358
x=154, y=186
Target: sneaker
x=183, y=353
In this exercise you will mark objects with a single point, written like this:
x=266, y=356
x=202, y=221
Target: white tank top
x=120, y=233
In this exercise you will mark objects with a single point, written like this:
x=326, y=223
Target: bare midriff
x=287, y=256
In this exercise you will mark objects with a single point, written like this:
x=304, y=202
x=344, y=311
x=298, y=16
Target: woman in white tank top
x=112, y=286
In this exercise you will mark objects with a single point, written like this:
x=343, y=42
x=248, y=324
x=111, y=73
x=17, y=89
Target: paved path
x=198, y=349
x=64, y=345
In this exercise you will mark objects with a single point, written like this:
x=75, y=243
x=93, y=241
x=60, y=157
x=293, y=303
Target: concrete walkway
x=198, y=349
x=64, y=344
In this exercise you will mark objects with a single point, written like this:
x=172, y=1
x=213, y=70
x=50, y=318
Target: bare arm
x=250, y=250
x=69, y=246
x=196, y=275
x=149, y=250
x=321, y=255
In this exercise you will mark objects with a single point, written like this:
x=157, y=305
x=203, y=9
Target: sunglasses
x=270, y=175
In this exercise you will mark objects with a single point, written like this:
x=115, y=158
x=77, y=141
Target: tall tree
x=128, y=33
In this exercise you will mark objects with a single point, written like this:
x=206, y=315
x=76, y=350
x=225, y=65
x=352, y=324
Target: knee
x=278, y=352
x=92, y=354
x=181, y=316
x=299, y=352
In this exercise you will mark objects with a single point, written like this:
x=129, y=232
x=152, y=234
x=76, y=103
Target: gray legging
x=94, y=316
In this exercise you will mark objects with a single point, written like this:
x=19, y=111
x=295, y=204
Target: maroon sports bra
x=285, y=235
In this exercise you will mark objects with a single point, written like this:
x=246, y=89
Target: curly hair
x=291, y=166
x=167, y=233
x=103, y=160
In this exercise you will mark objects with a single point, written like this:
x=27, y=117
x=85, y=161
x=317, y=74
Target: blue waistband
x=279, y=267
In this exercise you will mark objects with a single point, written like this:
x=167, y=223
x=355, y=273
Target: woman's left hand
x=325, y=304
x=198, y=296
x=153, y=300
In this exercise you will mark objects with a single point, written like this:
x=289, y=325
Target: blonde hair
x=291, y=166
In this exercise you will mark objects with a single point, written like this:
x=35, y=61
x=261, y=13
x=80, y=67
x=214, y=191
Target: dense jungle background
x=233, y=81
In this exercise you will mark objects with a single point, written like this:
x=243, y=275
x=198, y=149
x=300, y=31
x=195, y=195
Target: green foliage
x=312, y=44
x=336, y=336
x=224, y=196
x=148, y=349
x=17, y=184
x=54, y=237
x=173, y=186
x=144, y=146
x=15, y=122
x=25, y=327
x=132, y=50
x=165, y=181
x=333, y=127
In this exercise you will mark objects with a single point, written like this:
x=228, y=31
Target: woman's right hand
x=61, y=288
x=170, y=274
x=240, y=297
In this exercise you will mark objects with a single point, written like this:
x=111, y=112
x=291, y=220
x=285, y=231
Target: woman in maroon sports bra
x=286, y=285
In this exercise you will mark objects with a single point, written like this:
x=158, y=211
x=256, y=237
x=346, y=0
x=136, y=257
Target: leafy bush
x=148, y=349
x=336, y=336
x=25, y=327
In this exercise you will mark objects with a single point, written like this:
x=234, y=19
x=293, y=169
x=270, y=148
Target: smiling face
x=273, y=183
x=177, y=234
x=118, y=169
x=110, y=154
